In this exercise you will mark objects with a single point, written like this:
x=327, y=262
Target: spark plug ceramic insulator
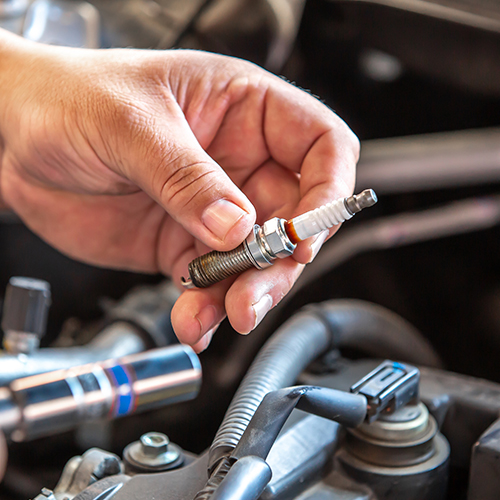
x=276, y=239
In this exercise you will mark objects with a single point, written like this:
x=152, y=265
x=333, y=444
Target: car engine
x=376, y=377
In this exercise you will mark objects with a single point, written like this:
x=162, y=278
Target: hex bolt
x=153, y=452
x=276, y=239
x=154, y=444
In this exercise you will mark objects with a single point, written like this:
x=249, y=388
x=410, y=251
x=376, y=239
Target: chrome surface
x=60, y=400
x=118, y=339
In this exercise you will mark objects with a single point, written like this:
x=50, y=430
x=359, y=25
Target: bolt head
x=153, y=452
x=277, y=239
x=154, y=444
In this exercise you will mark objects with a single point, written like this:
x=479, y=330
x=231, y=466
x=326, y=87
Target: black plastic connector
x=387, y=388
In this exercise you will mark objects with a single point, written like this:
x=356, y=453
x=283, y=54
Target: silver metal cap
x=26, y=306
x=358, y=202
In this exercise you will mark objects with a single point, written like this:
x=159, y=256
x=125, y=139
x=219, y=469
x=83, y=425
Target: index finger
x=306, y=136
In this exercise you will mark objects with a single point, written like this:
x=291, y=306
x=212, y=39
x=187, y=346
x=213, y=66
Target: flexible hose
x=377, y=331
x=286, y=354
x=344, y=323
x=336, y=323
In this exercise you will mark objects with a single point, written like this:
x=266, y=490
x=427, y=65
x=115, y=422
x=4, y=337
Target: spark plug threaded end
x=216, y=266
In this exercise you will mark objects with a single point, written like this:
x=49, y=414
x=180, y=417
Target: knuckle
x=183, y=179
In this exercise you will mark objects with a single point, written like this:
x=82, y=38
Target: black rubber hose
x=262, y=431
x=284, y=356
x=343, y=407
x=376, y=331
x=339, y=323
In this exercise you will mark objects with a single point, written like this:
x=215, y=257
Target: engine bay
x=414, y=280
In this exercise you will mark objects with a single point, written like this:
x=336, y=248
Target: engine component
x=55, y=401
x=278, y=365
x=355, y=324
x=139, y=321
x=246, y=480
x=347, y=409
x=401, y=455
x=276, y=239
x=153, y=453
x=301, y=340
x=116, y=340
x=386, y=389
x=25, y=311
x=147, y=308
x=81, y=472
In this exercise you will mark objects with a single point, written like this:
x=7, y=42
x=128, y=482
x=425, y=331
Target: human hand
x=3, y=455
x=143, y=160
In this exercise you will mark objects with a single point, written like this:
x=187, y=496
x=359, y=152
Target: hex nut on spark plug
x=278, y=241
x=268, y=243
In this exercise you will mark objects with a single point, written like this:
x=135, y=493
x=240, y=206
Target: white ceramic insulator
x=321, y=218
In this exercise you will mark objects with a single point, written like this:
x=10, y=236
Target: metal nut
x=153, y=451
x=277, y=239
x=154, y=444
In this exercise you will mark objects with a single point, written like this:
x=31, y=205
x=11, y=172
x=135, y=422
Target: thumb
x=195, y=190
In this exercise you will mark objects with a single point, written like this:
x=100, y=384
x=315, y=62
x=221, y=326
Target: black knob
x=26, y=305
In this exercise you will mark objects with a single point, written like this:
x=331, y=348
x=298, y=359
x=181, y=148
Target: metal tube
x=433, y=161
x=57, y=401
x=118, y=339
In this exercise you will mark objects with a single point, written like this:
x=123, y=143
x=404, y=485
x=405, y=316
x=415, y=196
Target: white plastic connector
x=325, y=217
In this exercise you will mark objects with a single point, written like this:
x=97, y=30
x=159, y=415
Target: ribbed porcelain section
x=322, y=218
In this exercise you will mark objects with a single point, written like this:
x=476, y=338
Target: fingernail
x=261, y=308
x=221, y=216
x=318, y=243
x=207, y=318
x=206, y=339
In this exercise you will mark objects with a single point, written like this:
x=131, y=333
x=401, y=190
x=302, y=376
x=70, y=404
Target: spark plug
x=275, y=239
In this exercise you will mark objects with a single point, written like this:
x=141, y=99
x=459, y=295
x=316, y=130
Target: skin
x=3, y=455
x=113, y=156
